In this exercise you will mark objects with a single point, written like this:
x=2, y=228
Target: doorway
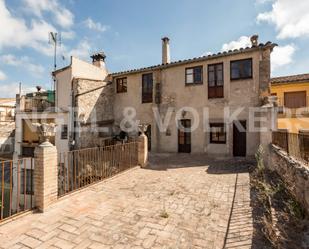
x=240, y=138
x=184, y=137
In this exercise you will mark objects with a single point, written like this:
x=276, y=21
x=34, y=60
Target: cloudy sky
x=130, y=32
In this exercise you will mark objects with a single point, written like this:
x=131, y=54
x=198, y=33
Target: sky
x=130, y=32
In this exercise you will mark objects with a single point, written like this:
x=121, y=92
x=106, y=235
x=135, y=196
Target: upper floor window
x=241, y=69
x=194, y=75
x=147, y=88
x=295, y=99
x=121, y=85
x=215, y=81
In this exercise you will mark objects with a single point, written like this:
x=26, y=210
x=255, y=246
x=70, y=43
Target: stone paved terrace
x=183, y=201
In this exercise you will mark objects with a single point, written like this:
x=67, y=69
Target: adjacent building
x=292, y=96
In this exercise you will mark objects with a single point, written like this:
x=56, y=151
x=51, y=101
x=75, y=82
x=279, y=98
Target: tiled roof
x=197, y=59
x=289, y=79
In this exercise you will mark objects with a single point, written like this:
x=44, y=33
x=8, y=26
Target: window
x=217, y=133
x=121, y=85
x=64, y=132
x=194, y=75
x=147, y=83
x=28, y=186
x=295, y=99
x=241, y=69
x=215, y=81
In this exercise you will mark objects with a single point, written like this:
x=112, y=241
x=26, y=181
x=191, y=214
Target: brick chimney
x=166, y=58
x=98, y=59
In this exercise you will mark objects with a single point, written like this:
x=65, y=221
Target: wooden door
x=184, y=137
x=240, y=139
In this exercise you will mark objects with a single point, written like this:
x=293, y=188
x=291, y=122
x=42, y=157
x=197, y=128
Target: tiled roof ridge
x=219, y=54
x=290, y=78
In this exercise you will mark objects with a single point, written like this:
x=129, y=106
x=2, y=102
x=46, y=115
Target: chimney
x=254, y=40
x=98, y=59
x=166, y=58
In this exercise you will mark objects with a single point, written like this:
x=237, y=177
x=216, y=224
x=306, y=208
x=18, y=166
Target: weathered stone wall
x=294, y=173
x=94, y=101
x=7, y=134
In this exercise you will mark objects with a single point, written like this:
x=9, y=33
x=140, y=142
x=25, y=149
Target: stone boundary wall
x=294, y=173
x=7, y=138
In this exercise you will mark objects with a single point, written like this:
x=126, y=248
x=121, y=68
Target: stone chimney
x=166, y=58
x=98, y=59
x=254, y=40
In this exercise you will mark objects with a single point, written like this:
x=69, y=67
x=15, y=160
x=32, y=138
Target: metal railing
x=17, y=191
x=296, y=145
x=80, y=168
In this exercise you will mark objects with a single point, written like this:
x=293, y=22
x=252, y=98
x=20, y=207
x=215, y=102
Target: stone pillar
x=45, y=176
x=268, y=126
x=142, y=150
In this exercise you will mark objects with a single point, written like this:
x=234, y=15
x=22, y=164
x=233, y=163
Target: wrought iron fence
x=17, y=189
x=295, y=144
x=80, y=168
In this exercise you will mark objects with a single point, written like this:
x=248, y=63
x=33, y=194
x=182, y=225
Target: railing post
x=142, y=150
x=45, y=176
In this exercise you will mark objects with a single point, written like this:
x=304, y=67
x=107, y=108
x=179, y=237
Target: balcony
x=38, y=102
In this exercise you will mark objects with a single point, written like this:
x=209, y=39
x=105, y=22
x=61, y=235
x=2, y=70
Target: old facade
x=292, y=94
x=209, y=86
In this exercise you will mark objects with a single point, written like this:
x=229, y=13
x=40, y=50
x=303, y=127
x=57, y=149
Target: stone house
x=198, y=94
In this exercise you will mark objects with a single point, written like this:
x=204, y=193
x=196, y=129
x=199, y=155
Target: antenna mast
x=55, y=40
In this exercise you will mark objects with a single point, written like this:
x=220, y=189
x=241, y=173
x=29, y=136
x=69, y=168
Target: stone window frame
x=240, y=69
x=194, y=82
x=218, y=139
x=122, y=85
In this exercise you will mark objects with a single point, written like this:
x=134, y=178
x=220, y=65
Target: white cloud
x=9, y=90
x=282, y=56
x=62, y=15
x=242, y=42
x=24, y=62
x=96, y=26
x=82, y=50
x=2, y=75
x=16, y=33
x=291, y=18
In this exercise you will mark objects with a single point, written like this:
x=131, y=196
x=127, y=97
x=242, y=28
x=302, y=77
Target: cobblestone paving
x=183, y=201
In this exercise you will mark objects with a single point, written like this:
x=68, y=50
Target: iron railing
x=295, y=144
x=80, y=168
x=17, y=191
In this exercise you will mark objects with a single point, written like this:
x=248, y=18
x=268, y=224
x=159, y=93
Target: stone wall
x=294, y=173
x=94, y=101
x=7, y=134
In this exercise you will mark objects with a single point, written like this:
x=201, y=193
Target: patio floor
x=180, y=201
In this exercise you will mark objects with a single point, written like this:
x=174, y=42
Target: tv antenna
x=55, y=40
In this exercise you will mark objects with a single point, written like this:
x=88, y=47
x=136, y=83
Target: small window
x=241, y=69
x=28, y=186
x=194, y=75
x=215, y=81
x=121, y=85
x=147, y=88
x=217, y=133
x=64, y=132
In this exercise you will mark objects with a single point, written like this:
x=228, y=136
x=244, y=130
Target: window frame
x=215, y=80
x=64, y=134
x=120, y=82
x=240, y=77
x=147, y=97
x=193, y=83
x=217, y=124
